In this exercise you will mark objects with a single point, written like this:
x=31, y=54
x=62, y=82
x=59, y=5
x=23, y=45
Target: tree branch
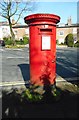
x=4, y=16
x=14, y=11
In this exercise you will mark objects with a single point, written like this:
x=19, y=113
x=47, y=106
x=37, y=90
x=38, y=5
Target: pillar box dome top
x=42, y=19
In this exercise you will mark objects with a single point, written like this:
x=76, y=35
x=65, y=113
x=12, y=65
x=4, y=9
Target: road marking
x=72, y=79
x=14, y=57
x=58, y=79
x=1, y=50
x=18, y=49
x=1, y=97
x=14, y=49
x=13, y=83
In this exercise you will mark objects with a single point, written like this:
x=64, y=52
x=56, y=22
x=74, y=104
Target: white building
x=4, y=31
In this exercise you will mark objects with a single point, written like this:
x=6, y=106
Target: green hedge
x=8, y=41
x=69, y=40
x=25, y=40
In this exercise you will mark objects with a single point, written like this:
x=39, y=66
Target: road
x=67, y=63
x=15, y=64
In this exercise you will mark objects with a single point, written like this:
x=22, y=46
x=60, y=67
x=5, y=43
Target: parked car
x=2, y=43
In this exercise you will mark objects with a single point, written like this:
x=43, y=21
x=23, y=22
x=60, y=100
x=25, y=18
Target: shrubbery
x=57, y=42
x=7, y=40
x=69, y=40
x=23, y=41
x=76, y=44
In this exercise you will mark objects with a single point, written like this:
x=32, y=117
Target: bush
x=76, y=44
x=25, y=40
x=7, y=40
x=62, y=43
x=57, y=42
x=18, y=42
x=69, y=40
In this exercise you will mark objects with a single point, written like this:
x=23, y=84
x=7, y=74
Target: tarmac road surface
x=14, y=65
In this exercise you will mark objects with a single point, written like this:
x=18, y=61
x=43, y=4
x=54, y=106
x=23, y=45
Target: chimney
x=69, y=21
x=13, y=21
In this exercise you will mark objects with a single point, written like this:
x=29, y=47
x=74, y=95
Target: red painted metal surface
x=42, y=48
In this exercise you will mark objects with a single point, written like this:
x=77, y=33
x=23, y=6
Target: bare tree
x=11, y=8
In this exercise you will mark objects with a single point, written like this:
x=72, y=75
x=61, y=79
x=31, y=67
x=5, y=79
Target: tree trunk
x=12, y=33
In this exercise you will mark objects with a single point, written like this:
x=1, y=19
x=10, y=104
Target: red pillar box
x=42, y=48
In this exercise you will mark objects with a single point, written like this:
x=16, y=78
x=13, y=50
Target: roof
x=68, y=26
x=20, y=26
x=4, y=23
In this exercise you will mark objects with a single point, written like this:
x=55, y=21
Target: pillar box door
x=42, y=47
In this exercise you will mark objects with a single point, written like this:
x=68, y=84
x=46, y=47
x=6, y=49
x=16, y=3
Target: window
x=61, y=33
x=15, y=32
x=74, y=30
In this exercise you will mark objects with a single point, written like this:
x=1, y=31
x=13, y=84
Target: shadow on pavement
x=62, y=70
x=25, y=70
x=67, y=70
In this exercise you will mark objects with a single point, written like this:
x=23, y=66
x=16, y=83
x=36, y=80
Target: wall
x=62, y=32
